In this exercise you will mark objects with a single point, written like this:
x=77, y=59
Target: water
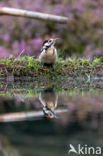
x=38, y=119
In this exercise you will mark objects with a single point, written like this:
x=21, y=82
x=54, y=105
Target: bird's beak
x=57, y=39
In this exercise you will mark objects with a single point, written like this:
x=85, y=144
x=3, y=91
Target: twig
x=21, y=53
x=33, y=14
x=21, y=116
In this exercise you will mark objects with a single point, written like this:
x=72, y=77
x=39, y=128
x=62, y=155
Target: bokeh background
x=82, y=36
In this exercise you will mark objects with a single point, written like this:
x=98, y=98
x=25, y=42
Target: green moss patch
x=31, y=67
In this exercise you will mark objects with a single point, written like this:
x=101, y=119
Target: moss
x=31, y=67
x=32, y=88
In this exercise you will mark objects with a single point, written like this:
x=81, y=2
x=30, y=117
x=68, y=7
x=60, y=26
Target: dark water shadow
x=46, y=120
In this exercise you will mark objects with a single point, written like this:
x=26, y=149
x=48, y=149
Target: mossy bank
x=30, y=67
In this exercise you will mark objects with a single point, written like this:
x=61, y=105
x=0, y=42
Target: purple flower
x=6, y=37
x=3, y=52
x=36, y=42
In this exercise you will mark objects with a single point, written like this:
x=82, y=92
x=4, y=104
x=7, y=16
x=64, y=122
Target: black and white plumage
x=49, y=100
x=48, y=53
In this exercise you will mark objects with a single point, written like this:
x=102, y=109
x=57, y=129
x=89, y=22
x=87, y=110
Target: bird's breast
x=50, y=52
x=49, y=56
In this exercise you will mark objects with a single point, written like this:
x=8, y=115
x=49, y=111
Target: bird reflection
x=49, y=99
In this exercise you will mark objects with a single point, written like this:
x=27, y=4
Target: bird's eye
x=50, y=114
x=50, y=41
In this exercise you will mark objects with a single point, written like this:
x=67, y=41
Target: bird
x=48, y=55
x=49, y=98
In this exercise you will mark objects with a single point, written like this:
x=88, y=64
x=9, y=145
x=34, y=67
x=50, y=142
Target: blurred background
x=78, y=106
x=82, y=36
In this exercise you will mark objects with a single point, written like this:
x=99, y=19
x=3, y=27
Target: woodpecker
x=48, y=55
x=48, y=99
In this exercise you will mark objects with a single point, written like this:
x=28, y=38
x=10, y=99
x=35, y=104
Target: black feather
x=45, y=41
x=45, y=47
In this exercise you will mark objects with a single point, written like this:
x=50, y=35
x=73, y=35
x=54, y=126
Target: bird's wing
x=41, y=49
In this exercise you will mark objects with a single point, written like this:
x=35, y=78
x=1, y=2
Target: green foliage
x=98, y=60
x=31, y=67
x=60, y=53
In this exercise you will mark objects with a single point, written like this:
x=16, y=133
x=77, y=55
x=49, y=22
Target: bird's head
x=48, y=113
x=50, y=42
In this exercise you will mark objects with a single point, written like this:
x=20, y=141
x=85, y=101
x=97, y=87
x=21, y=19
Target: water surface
x=39, y=119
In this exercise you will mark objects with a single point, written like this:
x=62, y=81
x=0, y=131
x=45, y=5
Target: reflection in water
x=73, y=115
x=49, y=98
x=47, y=101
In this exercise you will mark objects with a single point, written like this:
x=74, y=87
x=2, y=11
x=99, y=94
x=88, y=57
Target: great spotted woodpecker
x=49, y=100
x=48, y=55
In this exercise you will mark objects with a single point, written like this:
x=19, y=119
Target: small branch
x=33, y=14
x=20, y=53
x=22, y=116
